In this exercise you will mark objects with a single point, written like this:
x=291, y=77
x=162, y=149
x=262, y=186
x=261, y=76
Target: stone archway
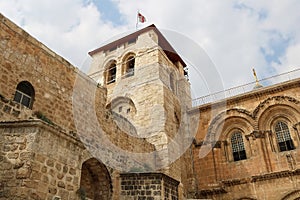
x=95, y=181
x=295, y=195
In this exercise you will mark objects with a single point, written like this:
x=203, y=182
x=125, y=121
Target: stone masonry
x=123, y=135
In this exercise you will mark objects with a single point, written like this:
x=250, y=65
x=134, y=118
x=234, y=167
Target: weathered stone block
x=23, y=172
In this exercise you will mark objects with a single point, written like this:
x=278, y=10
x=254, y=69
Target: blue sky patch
x=277, y=46
x=109, y=11
x=261, y=14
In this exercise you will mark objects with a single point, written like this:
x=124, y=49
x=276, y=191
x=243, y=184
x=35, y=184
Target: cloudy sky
x=236, y=35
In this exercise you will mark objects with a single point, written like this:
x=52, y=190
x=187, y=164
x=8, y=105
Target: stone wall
x=267, y=172
x=23, y=58
x=148, y=186
x=158, y=92
x=43, y=160
x=53, y=78
x=34, y=162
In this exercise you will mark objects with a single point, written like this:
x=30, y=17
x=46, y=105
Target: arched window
x=129, y=66
x=24, y=94
x=111, y=73
x=284, y=140
x=238, y=148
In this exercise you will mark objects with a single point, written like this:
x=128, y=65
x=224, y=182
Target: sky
x=234, y=35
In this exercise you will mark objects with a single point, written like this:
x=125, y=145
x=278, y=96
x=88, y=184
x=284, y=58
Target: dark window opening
x=285, y=142
x=130, y=63
x=113, y=48
x=131, y=41
x=24, y=94
x=112, y=71
x=238, y=148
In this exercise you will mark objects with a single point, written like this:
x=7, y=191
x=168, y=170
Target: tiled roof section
x=162, y=42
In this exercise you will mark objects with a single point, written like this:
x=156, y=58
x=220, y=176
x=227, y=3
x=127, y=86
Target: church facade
x=128, y=129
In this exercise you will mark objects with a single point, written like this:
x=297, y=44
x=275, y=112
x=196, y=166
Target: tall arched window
x=284, y=140
x=24, y=94
x=129, y=66
x=238, y=148
x=111, y=73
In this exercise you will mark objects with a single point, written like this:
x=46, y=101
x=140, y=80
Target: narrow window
x=238, y=148
x=111, y=74
x=24, y=94
x=285, y=142
x=130, y=62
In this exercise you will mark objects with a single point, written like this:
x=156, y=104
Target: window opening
x=238, y=148
x=24, y=94
x=285, y=142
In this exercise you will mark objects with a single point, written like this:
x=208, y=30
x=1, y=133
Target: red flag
x=142, y=19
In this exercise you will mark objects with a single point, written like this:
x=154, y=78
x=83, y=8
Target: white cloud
x=233, y=33
x=70, y=28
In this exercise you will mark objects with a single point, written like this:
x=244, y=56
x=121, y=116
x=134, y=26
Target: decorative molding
x=275, y=175
x=233, y=182
x=221, y=187
x=257, y=134
x=293, y=195
x=270, y=99
x=217, y=190
x=222, y=116
x=226, y=113
x=296, y=125
x=214, y=144
x=258, y=178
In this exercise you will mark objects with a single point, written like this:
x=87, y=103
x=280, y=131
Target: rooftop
x=162, y=42
x=247, y=88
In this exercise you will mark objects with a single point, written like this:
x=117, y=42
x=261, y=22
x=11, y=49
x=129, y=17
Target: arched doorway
x=95, y=181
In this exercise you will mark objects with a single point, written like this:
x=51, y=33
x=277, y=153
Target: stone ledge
x=41, y=124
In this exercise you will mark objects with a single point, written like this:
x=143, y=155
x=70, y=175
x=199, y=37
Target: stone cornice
x=37, y=123
x=221, y=187
x=275, y=175
x=261, y=177
x=152, y=174
x=257, y=134
x=217, y=190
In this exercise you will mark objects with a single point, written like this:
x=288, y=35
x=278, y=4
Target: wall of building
x=34, y=165
x=148, y=186
x=35, y=151
x=267, y=173
x=47, y=149
x=23, y=58
x=158, y=93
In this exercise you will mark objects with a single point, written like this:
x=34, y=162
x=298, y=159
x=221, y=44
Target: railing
x=246, y=88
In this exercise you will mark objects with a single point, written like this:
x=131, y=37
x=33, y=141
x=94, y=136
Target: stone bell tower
x=147, y=89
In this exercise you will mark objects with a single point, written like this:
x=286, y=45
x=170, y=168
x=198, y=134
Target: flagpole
x=137, y=19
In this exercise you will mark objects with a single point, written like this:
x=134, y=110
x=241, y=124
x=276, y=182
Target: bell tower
x=147, y=89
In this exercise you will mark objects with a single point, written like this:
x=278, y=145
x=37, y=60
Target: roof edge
x=162, y=42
